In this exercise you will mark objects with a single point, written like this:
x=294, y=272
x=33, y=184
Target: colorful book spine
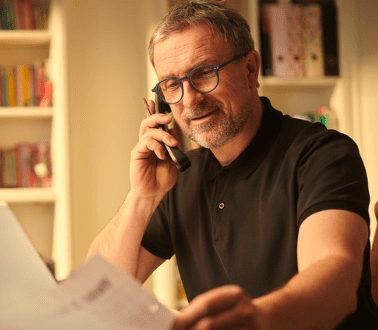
x=317, y=53
x=26, y=165
x=313, y=40
x=296, y=43
x=25, y=85
x=23, y=14
x=287, y=47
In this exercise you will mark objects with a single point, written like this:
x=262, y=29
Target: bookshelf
x=44, y=212
x=295, y=95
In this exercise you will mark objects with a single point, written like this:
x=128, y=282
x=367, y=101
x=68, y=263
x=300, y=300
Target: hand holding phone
x=180, y=160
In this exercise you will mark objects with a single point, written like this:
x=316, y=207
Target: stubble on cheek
x=215, y=132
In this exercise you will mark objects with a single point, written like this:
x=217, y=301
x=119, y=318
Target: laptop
x=23, y=273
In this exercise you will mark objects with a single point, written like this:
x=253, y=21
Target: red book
x=28, y=6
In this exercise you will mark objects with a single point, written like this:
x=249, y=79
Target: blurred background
x=109, y=74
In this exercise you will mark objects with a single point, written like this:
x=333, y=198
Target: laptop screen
x=23, y=273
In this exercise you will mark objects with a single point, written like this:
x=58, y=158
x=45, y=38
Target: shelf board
x=27, y=195
x=26, y=112
x=312, y=82
x=24, y=37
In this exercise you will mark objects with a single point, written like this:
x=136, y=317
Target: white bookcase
x=43, y=212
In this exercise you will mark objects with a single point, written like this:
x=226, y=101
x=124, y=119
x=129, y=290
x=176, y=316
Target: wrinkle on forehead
x=180, y=52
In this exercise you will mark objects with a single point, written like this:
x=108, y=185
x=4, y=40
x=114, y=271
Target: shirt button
x=221, y=206
x=224, y=172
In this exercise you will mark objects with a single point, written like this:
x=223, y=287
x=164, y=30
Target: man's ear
x=253, y=67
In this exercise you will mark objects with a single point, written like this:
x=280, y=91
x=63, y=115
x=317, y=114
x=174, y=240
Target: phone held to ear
x=180, y=160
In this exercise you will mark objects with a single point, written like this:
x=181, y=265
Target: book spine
x=313, y=40
x=23, y=14
x=296, y=45
x=265, y=38
x=1, y=87
x=280, y=49
x=330, y=39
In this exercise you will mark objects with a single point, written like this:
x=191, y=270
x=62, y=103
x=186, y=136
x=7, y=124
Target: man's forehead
x=189, y=47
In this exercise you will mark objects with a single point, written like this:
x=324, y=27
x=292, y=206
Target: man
x=269, y=225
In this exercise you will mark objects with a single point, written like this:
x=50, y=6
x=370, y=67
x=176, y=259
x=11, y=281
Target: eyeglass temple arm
x=229, y=61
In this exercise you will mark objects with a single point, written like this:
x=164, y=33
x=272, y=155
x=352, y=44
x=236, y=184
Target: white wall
x=107, y=43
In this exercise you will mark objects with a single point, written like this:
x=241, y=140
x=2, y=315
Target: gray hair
x=222, y=20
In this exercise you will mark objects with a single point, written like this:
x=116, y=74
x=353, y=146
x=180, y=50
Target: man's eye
x=169, y=85
x=172, y=84
x=203, y=73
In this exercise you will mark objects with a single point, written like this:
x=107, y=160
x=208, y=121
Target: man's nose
x=191, y=97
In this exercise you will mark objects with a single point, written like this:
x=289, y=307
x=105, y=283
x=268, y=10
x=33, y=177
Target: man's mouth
x=202, y=116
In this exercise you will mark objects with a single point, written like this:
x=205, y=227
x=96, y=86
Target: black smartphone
x=180, y=160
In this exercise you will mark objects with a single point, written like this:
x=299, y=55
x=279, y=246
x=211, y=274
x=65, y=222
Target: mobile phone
x=180, y=160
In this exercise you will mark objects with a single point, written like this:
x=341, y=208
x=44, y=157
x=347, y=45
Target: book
x=294, y=16
x=4, y=91
x=23, y=14
x=330, y=39
x=1, y=87
x=11, y=87
x=266, y=42
x=1, y=168
x=287, y=47
x=279, y=39
x=25, y=85
x=312, y=31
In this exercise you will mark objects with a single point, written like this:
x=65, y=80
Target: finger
x=161, y=136
x=153, y=121
x=240, y=316
x=208, y=304
x=150, y=107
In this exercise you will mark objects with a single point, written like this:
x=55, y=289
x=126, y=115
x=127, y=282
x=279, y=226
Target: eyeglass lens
x=203, y=79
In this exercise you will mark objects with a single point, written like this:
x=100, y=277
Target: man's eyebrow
x=194, y=66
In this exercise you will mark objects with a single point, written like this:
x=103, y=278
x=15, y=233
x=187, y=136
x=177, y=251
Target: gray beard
x=215, y=134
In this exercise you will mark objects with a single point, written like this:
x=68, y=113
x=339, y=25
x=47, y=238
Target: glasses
x=204, y=79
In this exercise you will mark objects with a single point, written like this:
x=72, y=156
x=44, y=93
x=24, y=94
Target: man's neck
x=231, y=150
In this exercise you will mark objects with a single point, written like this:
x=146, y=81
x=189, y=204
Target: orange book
x=11, y=87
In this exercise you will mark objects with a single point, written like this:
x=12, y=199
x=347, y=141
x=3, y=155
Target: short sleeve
x=157, y=238
x=331, y=175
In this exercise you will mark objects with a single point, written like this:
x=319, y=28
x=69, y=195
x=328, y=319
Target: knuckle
x=237, y=291
x=205, y=324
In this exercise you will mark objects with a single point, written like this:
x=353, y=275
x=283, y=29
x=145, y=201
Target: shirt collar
x=252, y=156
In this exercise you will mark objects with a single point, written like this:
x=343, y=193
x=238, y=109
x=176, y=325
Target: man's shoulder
x=306, y=133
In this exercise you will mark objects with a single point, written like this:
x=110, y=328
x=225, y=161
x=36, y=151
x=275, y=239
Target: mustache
x=201, y=109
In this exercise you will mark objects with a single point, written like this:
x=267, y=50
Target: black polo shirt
x=239, y=224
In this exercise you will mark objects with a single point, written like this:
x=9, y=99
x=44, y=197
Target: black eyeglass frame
x=215, y=68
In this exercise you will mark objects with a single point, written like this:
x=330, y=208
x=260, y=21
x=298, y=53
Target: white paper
x=97, y=295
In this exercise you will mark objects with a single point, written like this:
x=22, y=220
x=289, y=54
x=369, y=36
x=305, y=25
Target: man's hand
x=151, y=170
x=227, y=307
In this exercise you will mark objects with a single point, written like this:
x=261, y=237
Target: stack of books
x=26, y=165
x=299, y=38
x=25, y=85
x=23, y=15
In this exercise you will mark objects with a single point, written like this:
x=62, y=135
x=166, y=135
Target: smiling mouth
x=203, y=116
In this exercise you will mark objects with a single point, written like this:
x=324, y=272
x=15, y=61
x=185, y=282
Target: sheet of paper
x=97, y=295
